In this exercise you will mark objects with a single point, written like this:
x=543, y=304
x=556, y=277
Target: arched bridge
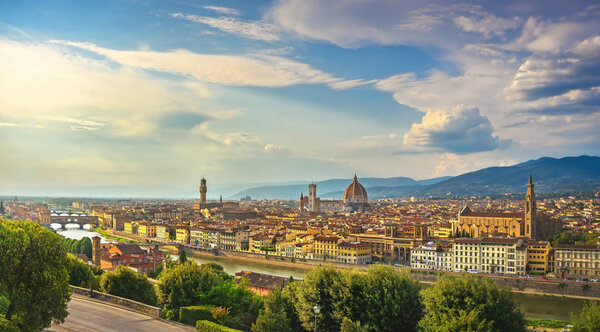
x=63, y=220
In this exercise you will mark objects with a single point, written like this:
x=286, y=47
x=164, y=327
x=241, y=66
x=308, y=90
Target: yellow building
x=538, y=257
x=147, y=229
x=442, y=231
x=325, y=247
x=354, y=253
x=130, y=227
x=257, y=242
x=577, y=260
x=182, y=234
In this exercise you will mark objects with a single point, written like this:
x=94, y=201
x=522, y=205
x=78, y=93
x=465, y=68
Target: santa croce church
x=528, y=223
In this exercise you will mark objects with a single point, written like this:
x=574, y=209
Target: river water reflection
x=534, y=306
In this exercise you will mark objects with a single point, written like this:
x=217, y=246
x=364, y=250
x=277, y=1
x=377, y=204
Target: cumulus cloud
x=8, y=124
x=486, y=24
x=223, y=10
x=247, y=29
x=274, y=148
x=460, y=130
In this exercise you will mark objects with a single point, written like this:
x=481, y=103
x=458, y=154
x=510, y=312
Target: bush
x=128, y=284
x=561, y=285
x=208, y=326
x=547, y=323
x=190, y=315
x=585, y=287
x=588, y=320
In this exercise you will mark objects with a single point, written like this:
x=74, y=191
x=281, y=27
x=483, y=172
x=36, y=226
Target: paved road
x=90, y=315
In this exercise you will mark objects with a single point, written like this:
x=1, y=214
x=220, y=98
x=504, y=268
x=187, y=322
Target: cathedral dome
x=355, y=192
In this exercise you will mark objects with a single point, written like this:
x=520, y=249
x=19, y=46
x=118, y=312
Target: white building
x=490, y=255
x=432, y=257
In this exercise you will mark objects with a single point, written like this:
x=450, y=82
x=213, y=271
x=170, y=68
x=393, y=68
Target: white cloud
x=487, y=24
x=223, y=10
x=247, y=29
x=589, y=48
x=8, y=124
x=274, y=148
x=460, y=130
x=253, y=70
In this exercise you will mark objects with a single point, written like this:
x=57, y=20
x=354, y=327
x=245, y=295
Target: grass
x=101, y=231
x=547, y=323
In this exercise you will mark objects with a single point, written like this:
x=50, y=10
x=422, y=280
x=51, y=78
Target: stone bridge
x=74, y=219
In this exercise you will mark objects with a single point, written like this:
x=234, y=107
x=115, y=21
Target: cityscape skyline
x=156, y=94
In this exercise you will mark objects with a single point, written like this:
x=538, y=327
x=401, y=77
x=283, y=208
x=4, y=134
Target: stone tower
x=530, y=209
x=313, y=201
x=301, y=202
x=96, y=251
x=203, y=190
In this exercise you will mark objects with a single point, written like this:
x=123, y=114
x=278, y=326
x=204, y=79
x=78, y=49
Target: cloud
x=461, y=130
x=274, y=148
x=260, y=70
x=487, y=25
x=8, y=124
x=247, y=29
x=223, y=10
x=547, y=36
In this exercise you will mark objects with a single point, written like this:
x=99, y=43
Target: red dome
x=355, y=191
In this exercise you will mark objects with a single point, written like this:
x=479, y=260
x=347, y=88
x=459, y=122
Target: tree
x=183, y=284
x=589, y=318
x=79, y=272
x=34, y=276
x=127, y=283
x=2, y=207
x=470, y=303
x=182, y=256
x=350, y=326
x=273, y=317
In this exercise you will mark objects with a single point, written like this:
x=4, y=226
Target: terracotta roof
x=128, y=249
x=355, y=189
x=577, y=246
x=494, y=214
x=327, y=238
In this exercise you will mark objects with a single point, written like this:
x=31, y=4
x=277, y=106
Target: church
x=355, y=200
x=528, y=223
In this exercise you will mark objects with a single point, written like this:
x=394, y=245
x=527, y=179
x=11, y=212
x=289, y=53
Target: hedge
x=207, y=326
x=190, y=315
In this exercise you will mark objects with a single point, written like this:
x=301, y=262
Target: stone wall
x=133, y=305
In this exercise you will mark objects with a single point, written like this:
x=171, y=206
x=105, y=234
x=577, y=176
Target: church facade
x=528, y=223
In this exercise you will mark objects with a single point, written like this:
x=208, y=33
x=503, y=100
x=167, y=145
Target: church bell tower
x=530, y=208
x=203, y=190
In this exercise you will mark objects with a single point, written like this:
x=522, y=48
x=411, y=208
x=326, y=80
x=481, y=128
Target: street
x=90, y=315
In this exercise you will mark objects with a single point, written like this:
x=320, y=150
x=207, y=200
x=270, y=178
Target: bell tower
x=530, y=209
x=203, y=190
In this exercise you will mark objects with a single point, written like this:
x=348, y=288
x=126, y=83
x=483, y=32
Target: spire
x=355, y=179
x=530, y=180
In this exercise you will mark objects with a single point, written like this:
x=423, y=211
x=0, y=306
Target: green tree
x=470, y=303
x=127, y=283
x=349, y=326
x=242, y=301
x=273, y=317
x=2, y=207
x=79, y=272
x=589, y=318
x=182, y=256
x=184, y=284
x=34, y=276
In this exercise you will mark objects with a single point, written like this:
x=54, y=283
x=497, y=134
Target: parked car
x=473, y=271
x=543, y=277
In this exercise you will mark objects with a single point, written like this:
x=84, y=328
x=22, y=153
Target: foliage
x=154, y=274
x=220, y=314
x=3, y=304
x=7, y=326
x=79, y=272
x=183, y=284
x=172, y=233
x=585, y=287
x=2, y=210
x=589, y=318
x=126, y=283
x=214, y=266
x=83, y=246
x=470, y=303
x=573, y=238
x=208, y=326
x=273, y=317
x=190, y=315
x=350, y=326
x=34, y=275
x=182, y=256
x=547, y=323
x=384, y=297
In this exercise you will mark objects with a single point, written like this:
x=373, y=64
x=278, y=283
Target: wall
x=133, y=305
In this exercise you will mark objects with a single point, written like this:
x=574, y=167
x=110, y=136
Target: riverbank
x=110, y=235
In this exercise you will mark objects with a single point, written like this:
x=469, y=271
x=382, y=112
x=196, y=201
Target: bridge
x=64, y=219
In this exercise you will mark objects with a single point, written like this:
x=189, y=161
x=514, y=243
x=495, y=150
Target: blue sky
x=160, y=93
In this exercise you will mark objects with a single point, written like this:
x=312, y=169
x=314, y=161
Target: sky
x=157, y=94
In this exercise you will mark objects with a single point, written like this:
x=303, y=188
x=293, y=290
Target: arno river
x=535, y=306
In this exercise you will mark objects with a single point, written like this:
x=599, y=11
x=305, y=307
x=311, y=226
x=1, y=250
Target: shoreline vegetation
x=100, y=230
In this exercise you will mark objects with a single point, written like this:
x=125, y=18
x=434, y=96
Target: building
x=431, y=256
x=490, y=255
x=182, y=234
x=196, y=236
x=355, y=200
x=528, y=223
x=325, y=247
x=203, y=204
x=538, y=257
x=110, y=255
x=260, y=283
x=146, y=229
x=354, y=253
x=162, y=232
x=577, y=260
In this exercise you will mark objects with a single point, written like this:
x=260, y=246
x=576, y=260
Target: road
x=91, y=315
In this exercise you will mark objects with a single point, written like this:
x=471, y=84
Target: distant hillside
x=549, y=175
x=569, y=174
x=329, y=188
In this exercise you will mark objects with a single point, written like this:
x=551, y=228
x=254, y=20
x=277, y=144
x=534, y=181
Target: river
x=534, y=306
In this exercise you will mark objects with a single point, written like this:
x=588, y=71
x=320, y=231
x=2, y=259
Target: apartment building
x=576, y=260
x=490, y=255
x=431, y=256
